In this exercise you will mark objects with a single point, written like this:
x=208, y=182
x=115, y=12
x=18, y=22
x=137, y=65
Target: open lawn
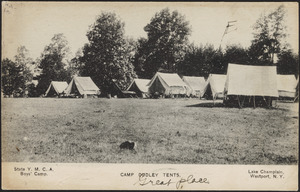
x=182, y=131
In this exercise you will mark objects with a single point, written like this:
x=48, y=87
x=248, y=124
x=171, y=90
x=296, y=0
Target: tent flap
x=57, y=86
x=141, y=85
x=196, y=85
x=286, y=85
x=84, y=85
x=215, y=83
x=167, y=83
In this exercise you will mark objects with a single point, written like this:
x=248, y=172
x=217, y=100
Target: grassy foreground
x=179, y=131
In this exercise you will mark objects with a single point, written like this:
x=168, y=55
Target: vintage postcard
x=150, y=95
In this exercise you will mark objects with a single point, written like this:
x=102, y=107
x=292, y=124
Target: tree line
x=109, y=55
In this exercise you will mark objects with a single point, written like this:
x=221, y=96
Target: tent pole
x=254, y=101
x=275, y=105
x=243, y=101
x=296, y=98
x=267, y=102
x=239, y=101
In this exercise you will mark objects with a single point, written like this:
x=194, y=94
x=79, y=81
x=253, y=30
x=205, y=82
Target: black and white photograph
x=156, y=95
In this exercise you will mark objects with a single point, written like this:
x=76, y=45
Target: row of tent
x=166, y=84
x=240, y=80
x=243, y=80
x=79, y=86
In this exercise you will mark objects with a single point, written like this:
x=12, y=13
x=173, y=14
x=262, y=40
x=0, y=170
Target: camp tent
x=56, y=88
x=196, y=85
x=115, y=91
x=167, y=84
x=286, y=85
x=82, y=86
x=215, y=86
x=246, y=83
x=139, y=86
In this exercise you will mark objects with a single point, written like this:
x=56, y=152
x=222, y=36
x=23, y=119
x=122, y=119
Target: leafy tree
x=216, y=61
x=108, y=56
x=53, y=63
x=268, y=37
x=194, y=62
x=32, y=91
x=140, y=57
x=76, y=66
x=167, y=38
x=12, y=81
x=236, y=54
x=27, y=67
x=288, y=63
x=202, y=60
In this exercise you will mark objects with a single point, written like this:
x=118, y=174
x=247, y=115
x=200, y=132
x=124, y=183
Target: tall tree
x=167, y=35
x=53, y=63
x=27, y=67
x=108, y=56
x=76, y=66
x=11, y=78
x=269, y=34
x=140, y=57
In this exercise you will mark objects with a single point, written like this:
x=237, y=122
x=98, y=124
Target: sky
x=33, y=24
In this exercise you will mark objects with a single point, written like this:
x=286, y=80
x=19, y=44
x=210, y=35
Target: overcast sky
x=33, y=24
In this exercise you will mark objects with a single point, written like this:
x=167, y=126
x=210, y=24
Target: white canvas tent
x=196, y=85
x=56, y=88
x=215, y=86
x=82, y=86
x=139, y=86
x=251, y=81
x=167, y=84
x=286, y=85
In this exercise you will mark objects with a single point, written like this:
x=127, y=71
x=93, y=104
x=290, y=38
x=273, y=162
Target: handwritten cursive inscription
x=143, y=181
x=190, y=180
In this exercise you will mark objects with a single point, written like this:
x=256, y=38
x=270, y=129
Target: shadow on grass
x=222, y=105
x=208, y=105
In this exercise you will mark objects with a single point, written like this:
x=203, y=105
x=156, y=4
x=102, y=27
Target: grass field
x=182, y=131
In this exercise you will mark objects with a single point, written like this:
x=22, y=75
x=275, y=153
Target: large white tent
x=196, y=85
x=286, y=85
x=167, y=84
x=139, y=86
x=251, y=81
x=215, y=86
x=82, y=86
x=56, y=88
